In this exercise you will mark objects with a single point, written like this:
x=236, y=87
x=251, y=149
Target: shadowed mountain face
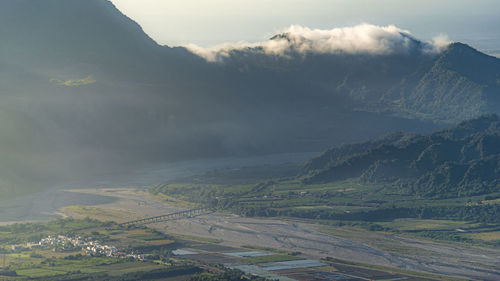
x=457, y=162
x=85, y=91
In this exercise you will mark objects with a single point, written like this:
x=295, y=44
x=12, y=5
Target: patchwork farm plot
x=279, y=265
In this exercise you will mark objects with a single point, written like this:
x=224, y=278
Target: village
x=88, y=246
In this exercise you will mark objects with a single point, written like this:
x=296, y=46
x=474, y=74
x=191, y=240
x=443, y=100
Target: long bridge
x=177, y=215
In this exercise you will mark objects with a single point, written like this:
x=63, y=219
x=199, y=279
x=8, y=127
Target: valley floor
x=313, y=240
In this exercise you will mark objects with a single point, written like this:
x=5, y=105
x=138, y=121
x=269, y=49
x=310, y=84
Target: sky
x=213, y=22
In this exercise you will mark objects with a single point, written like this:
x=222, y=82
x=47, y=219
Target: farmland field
x=493, y=236
x=213, y=236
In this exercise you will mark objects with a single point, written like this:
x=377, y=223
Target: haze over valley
x=321, y=131
x=86, y=91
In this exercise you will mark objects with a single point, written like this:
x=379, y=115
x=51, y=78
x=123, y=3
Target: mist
x=87, y=93
x=359, y=39
x=125, y=158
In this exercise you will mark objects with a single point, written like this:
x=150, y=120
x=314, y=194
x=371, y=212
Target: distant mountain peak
x=471, y=63
x=281, y=36
x=458, y=49
x=460, y=46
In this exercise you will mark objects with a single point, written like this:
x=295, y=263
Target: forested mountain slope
x=457, y=162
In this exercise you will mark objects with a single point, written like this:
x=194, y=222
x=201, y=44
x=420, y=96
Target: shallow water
x=45, y=205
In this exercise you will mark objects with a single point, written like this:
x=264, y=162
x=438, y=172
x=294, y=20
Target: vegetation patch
x=196, y=238
x=39, y=272
x=493, y=236
x=101, y=214
x=420, y=224
x=117, y=256
x=161, y=242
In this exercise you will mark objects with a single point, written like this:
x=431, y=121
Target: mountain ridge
x=460, y=161
x=150, y=104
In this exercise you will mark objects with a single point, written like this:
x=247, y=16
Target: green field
x=196, y=238
x=52, y=263
x=39, y=272
x=420, y=224
x=78, y=211
x=493, y=236
x=118, y=269
x=375, y=207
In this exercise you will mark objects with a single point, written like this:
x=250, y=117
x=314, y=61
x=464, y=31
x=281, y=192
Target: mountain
x=86, y=92
x=445, y=87
x=457, y=162
x=461, y=84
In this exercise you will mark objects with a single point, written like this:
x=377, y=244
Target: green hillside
x=457, y=162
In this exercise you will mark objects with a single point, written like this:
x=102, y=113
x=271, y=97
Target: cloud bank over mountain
x=359, y=39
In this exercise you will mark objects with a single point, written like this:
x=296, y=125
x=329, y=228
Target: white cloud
x=359, y=39
x=440, y=42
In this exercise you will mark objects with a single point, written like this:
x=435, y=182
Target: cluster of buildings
x=87, y=245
